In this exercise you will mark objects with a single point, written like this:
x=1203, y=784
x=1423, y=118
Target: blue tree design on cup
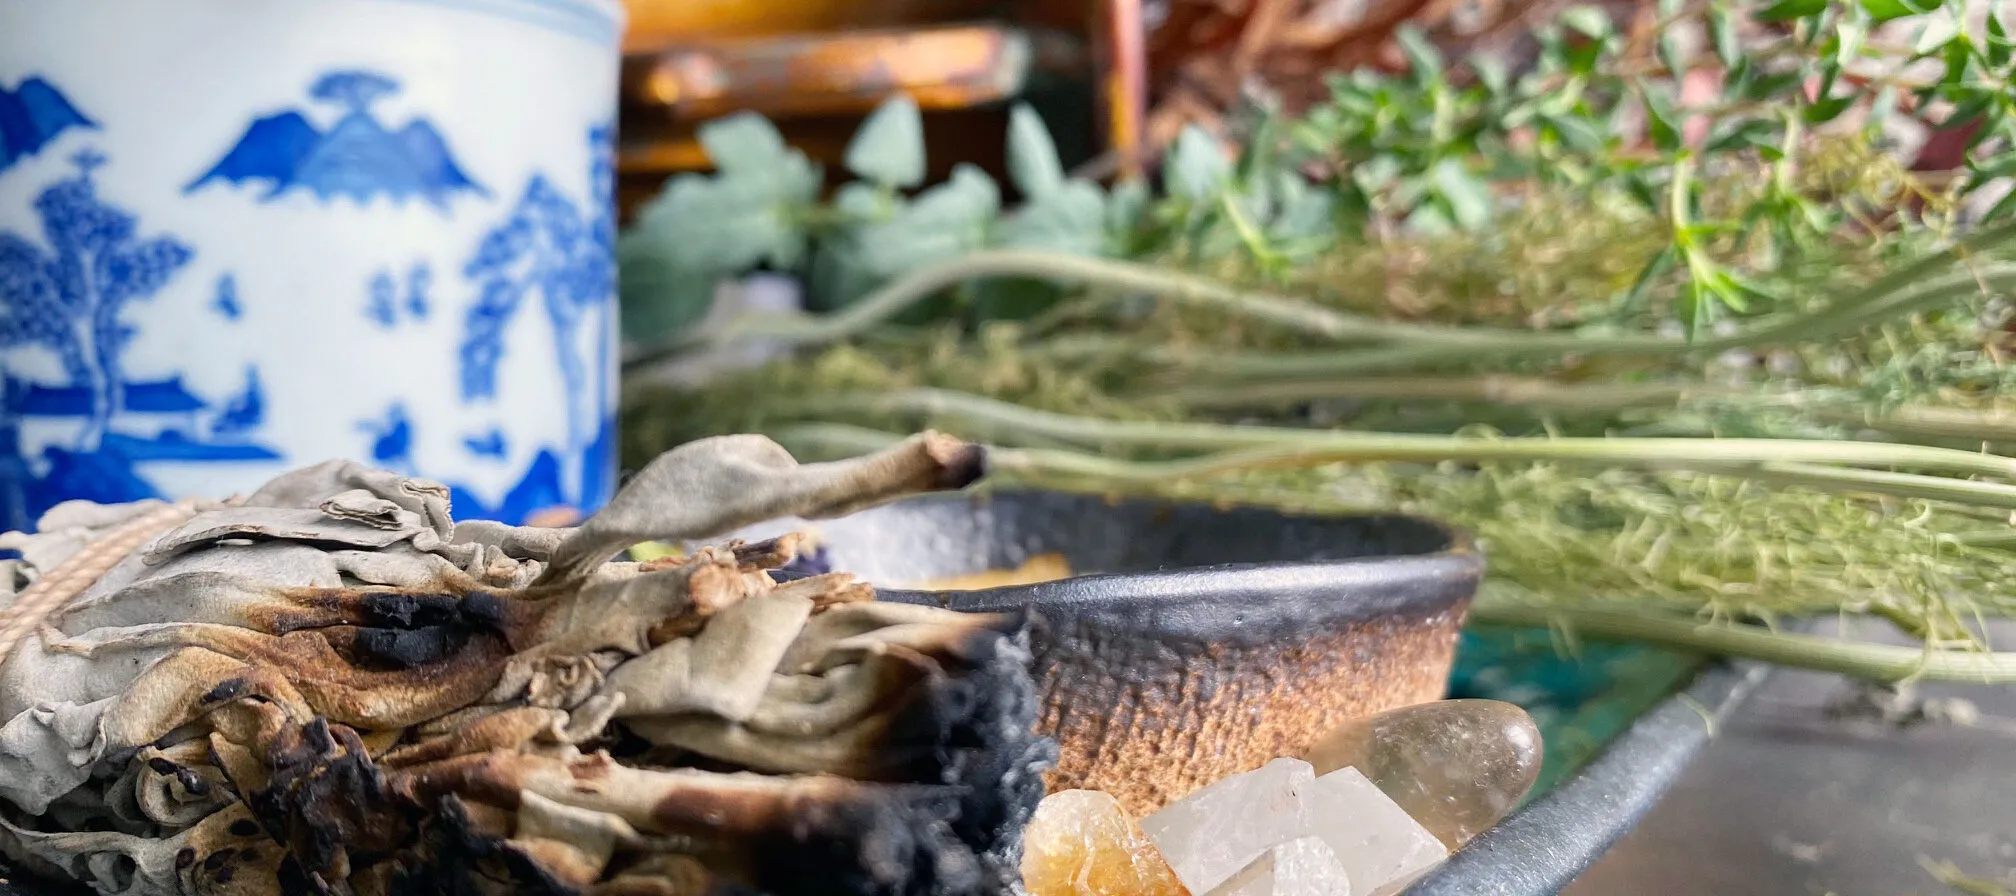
x=548, y=245
x=67, y=295
x=69, y=299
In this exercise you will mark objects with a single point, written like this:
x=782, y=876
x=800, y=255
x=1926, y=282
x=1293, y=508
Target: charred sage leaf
x=330, y=686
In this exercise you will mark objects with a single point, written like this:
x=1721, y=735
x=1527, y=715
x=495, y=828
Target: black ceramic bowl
x=1191, y=642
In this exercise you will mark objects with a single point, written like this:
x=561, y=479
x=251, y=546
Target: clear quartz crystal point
x=1382, y=848
x=1302, y=867
x=1214, y=833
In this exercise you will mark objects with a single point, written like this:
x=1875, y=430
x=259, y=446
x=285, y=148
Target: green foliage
x=762, y=207
x=888, y=151
x=1443, y=151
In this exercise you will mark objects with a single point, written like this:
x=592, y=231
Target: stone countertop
x=1786, y=801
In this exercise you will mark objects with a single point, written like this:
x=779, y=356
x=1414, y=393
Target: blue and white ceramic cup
x=240, y=236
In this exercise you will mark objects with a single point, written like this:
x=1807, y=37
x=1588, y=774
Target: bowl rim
x=1214, y=601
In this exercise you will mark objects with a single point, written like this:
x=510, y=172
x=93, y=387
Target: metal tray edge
x=1544, y=846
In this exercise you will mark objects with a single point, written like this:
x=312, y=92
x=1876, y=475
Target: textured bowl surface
x=1192, y=642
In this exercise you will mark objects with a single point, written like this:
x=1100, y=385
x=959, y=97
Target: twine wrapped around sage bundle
x=329, y=686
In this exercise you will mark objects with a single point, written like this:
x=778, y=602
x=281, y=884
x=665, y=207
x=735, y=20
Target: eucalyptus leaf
x=721, y=225
x=942, y=222
x=1069, y=219
x=1032, y=156
x=743, y=143
x=1126, y=204
x=658, y=299
x=860, y=203
x=1195, y=167
x=889, y=147
x=1306, y=214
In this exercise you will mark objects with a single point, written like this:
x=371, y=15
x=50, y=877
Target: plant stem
x=1523, y=391
x=1284, y=446
x=1880, y=662
x=1541, y=394
x=1928, y=422
x=1176, y=287
x=1875, y=482
x=1833, y=320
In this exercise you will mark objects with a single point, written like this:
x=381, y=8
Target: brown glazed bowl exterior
x=1193, y=641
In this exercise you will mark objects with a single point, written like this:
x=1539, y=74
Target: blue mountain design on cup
x=31, y=117
x=106, y=424
x=358, y=156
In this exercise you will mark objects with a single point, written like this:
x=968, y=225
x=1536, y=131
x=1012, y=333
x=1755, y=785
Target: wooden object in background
x=655, y=24
x=848, y=73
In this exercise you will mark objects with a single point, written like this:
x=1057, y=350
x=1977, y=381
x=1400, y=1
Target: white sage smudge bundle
x=330, y=687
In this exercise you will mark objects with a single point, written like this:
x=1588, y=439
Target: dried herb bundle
x=330, y=686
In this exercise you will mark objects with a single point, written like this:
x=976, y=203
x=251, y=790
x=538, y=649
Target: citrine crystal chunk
x=1080, y=843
